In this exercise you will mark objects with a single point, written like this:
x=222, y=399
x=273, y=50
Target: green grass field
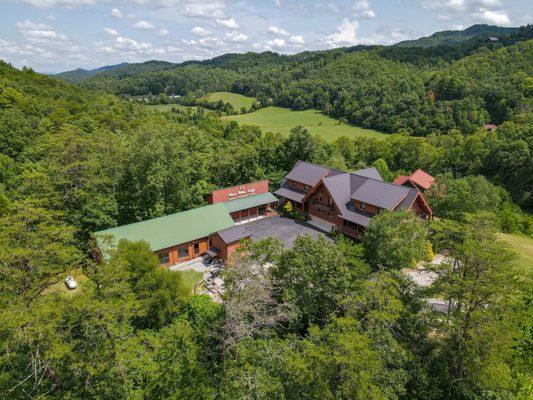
x=238, y=101
x=282, y=120
x=523, y=246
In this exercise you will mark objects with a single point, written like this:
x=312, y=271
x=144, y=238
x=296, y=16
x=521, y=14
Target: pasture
x=238, y=101
x=282, y=120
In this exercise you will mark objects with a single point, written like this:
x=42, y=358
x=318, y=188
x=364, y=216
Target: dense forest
x=419, y=90
x=325, y=320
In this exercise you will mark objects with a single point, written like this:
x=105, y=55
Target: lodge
x=214, y=229
x=348, y=200
x=332, y=199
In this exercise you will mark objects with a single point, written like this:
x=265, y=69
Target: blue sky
x=58, y=35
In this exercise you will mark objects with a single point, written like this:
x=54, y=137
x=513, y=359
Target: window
x=320, y=196
x=363, y=206
x=306, y=188
x=163, y=258
x=196, y=248
x=183, y=252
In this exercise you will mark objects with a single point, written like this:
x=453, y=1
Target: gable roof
x=250, y=201
x=308, y=173
x=420, y=178
x=171, y=230
x=381, y=194
x=369, y=173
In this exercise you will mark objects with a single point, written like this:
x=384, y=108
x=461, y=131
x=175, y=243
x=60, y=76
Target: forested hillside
x=324, y=320
x=417, y=90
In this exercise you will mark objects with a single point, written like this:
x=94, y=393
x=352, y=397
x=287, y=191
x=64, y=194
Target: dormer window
x=306, y=187
x=363, y=205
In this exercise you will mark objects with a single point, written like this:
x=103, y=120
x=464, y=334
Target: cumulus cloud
x=115, y=12
x=278, y=31
x=489, y=11
x=345, y=35
x=144, y=25
x=199, y=31
x=202, y=9
x=38, y=31
x=227, y=23
x=110, y=32
x=58, y=3
x=276, y=43
x=492, y=17
x=297, y=39
x=237, y=37
x=362, y=9
x=162, y=32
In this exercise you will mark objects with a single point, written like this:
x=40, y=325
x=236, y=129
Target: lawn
x=238, y=101
x=61, y=288
x=523, y=245
x=282, y=120
x=190, y=278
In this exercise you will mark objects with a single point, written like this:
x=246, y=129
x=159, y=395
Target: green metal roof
x=174, y=229
x=250, y=201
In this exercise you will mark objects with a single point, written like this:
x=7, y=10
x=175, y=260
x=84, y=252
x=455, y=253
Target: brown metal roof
x=234, y=234
x=307, y=173
x=290, y=193
x=381, y=194
x=369, y=173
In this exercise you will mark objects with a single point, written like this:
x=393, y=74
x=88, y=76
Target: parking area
x=284, y=229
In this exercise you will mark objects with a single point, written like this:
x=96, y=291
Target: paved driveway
x=284, y=229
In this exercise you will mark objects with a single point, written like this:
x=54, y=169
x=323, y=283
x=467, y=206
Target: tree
x=315, y=277
x=479, y=330
x=252, y=309
x=395, y=240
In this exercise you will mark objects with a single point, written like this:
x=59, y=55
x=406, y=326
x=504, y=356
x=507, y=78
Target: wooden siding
x=173, y=252
x=237, y=192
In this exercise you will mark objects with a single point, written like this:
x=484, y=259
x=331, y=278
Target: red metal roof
x=419, y=178
x=422, y=179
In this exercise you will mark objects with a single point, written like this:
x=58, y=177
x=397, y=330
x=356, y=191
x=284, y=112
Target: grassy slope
x=236, y=100
x=523, y=246
x=282, y=120
x=190, y=278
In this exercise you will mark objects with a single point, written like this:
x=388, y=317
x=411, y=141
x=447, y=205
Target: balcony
x=352, y=232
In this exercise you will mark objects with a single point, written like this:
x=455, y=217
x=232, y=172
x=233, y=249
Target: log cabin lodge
x=334, y=199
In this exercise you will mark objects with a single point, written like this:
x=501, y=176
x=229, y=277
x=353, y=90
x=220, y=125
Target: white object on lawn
x=70, y=282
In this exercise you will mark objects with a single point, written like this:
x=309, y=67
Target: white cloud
x=144, y=25
x=297, y=39
x=115, y=12
x=51, y=17
x=110, y=32
x=276, y=43
x=38, y=31
x=227, y=23
x=162, y=32
x=489, y=11
x=237, y=37
x=346, y=34
x=58, y=3
x=277, y=3
x=198, y=30
x=125, y=43
x=278, y=31
x=362, y=9
x=493, y=17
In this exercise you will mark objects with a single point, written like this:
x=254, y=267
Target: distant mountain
x=451, y=38
x=118, y=71
x=80, y=74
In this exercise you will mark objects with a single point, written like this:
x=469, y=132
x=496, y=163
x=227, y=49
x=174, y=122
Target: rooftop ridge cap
x=160, y=217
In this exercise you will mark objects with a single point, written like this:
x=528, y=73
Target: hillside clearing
x=523, y=246
x=282, y=120
x=238, y=101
